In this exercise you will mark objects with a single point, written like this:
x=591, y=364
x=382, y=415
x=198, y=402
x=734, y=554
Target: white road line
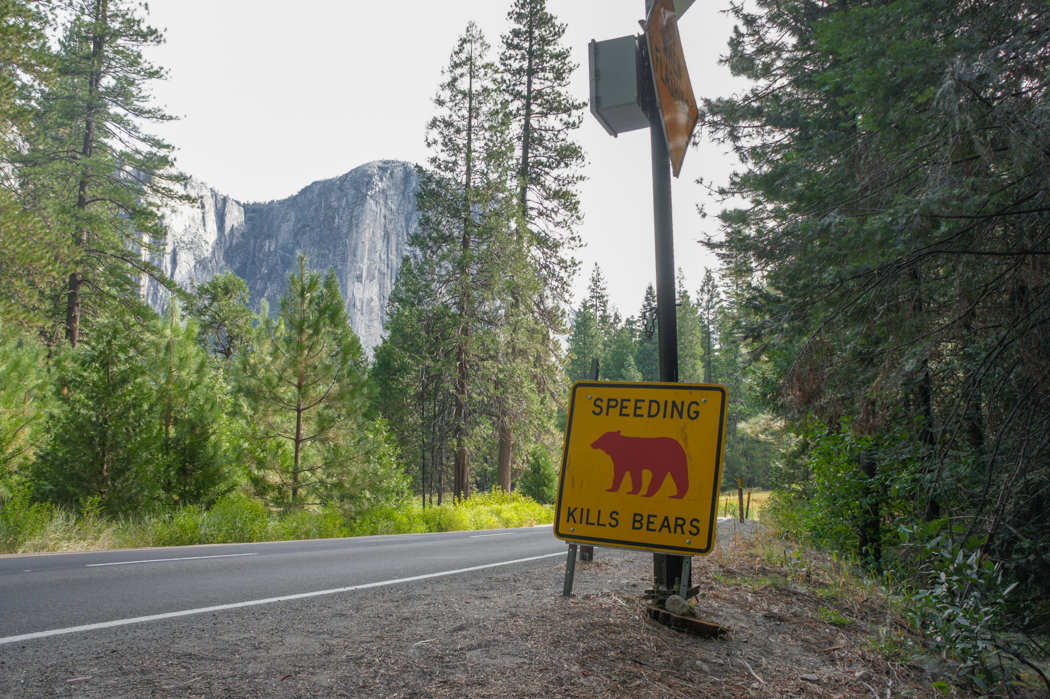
x=478, y=536
x=252, y=603
x=165, y=560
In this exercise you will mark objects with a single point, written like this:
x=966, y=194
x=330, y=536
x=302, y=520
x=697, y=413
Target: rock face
x=358, y=225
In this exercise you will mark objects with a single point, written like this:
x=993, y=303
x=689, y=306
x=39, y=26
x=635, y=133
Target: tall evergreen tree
x=31, y=254
x=25, y=397
x=413, y=369
x=304, y=382
x=220, y=307
x=105, y=441
x=891, y=255
x=594, y=329
x=691, y=358
x=90, y=163
x=535, y=70
x=193, y=463
x=708, y=302
x=465, y=216
x=620, y=355
x=648, y=358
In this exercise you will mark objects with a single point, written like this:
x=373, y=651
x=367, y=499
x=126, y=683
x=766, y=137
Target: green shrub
x=539, y=481
x=22, y=520
x=494, y=510
x=961, y=609
x=326, y=524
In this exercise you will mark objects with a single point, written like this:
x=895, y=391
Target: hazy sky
x=272, y=96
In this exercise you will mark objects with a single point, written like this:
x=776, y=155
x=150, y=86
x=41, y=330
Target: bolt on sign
x=674, y=92
x=642, y=466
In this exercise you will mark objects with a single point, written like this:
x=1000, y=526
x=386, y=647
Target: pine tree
x=304, y=383
x=586, y=344
x=889, y=256
x=594, y=328
x=193, y=463
x=31, y=254
x=708, y=301
x=535, y=71
x=690, y=337
x=465, y=218
x=534, y=74
x=98, y=174
x=412, y=370
x=25, y=398
x=620, y=355
x=105, y=440
x=647, y=360
x=220, y=307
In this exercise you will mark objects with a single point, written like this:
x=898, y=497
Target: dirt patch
x=512, y=635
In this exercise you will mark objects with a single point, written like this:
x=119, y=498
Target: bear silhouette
x=661, y=456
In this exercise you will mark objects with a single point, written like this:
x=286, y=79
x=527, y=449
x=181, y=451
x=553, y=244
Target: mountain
x=357, y=224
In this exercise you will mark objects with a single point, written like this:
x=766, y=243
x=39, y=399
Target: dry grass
x=729, y=503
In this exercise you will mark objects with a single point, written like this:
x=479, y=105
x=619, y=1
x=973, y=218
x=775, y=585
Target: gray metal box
x=617, y=84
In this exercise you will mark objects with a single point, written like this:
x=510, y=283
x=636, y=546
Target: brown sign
x=674, y=92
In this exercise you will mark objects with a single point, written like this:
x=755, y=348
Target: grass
x=27, y=527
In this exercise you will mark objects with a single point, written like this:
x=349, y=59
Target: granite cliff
x=357, y=224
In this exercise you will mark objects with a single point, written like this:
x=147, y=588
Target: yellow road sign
x=642, y=466
x=674, y=92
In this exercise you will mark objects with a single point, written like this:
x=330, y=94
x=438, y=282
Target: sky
x=271, y=96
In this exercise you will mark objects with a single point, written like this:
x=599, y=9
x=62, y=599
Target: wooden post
x=747, y=512
x=740, y=497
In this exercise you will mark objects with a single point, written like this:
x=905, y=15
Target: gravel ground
x=508, y=634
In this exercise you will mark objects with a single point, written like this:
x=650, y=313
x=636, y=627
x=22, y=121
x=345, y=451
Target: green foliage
x=105, y=438
x=647, y=359
x=25, y=397
x=833, y=617
x=534, y=73
x=304, y=385
x=887, y=271
x=236, y=519
x=469, y=260
x=89, y=168
x=21, y=519
x=193, y=461
x=539, y=480
x=138, y=422
x=492, y=510
x=691, y=360
x=220, y=307
x=26, y=526
x=963, y=603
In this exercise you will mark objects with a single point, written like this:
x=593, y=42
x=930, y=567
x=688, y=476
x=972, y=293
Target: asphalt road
x=47, y=594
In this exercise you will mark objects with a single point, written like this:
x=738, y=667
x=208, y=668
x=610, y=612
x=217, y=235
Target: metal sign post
x=639, y=81
x=669, y=572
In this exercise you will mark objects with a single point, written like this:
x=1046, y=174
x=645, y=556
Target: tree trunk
x=423, y=441
x=973, y=412
x=461, y=472
x=506, y=443
x=870, y=539
x=924, y=405
x=76, y=278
